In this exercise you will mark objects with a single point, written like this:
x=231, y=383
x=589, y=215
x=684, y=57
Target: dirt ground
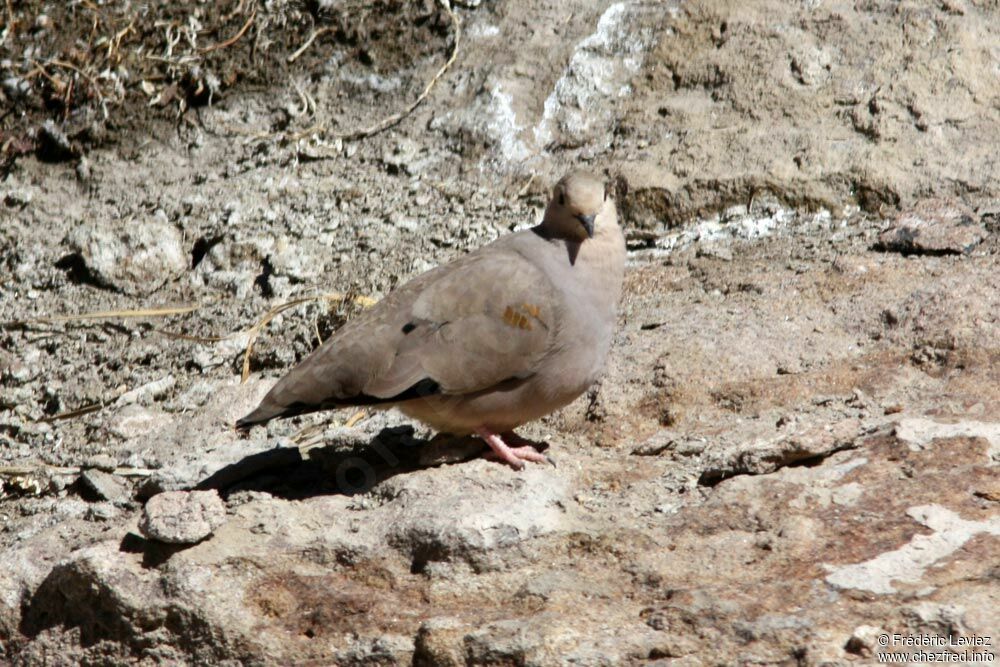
x=794, y=449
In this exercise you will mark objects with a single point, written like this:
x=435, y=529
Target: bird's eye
x=562, y=199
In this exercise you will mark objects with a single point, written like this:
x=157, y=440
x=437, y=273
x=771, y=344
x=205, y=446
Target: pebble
x=934, y=227
x=715, y=251
x=138, y=255
x=18, y=198
x=440, y=642
x=182, y=517
x=105, y=485
x=102, y=462
x=863, y=640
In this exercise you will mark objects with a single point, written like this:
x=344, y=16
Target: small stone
x=83, y=170
x=102, y=462
x=407, y=157
x=15, y=87
x=933, y=227
x=988, y=490
x=864, y=640
x=17, y=198
x=102, y=512
x=147, y=393
x=715, y=251
x=793, y=367
x=142, y=253
x=386, y=649
x=691, y=446
x=26, y=368
x=404, y=222
x=105, y=485
x=504, y=642
x=439, y=642
x=182, y=517
x=659, y=443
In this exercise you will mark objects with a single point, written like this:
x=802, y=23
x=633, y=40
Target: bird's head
x=580, y=203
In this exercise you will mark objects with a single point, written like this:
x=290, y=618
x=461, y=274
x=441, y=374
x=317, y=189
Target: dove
x=493, y=340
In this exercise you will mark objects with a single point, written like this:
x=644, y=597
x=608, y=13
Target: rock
x=16, y=88
x=661, y=442
x=864, y=640
x=425, y=528
x=933, y=227
x=18, y=198
x=757, y=458
x=137, y=258
x=103, y=592
x=105, y=485
x=387, y=649
x=830, y=78
x=407, y=156
x=514, y=642
x=919, y=433
x=132, y=422
x=908, y=563
x=300, y=264
x=182, y=517
x=193, y=445
x=102, y=512
x=439, y=643
x=102, y=462
x=25, y=367
x=149, y=392
x=599, y=69
x=715, y=251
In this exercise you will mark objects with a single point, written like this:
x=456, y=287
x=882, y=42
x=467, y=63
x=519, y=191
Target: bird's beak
x=588, y=223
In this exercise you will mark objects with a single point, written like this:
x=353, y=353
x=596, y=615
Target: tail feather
x=270, y=409
x=267, y=411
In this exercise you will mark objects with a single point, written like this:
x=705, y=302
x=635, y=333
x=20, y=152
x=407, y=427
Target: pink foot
x=512, y=456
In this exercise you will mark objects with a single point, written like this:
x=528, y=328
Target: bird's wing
x=477, y=323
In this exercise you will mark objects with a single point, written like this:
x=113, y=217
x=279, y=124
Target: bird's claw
x=515, y=457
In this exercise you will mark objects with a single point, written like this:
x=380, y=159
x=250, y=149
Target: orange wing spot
x=516, y=319
x=531, y=309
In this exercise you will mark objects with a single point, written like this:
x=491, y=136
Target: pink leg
x=512, y=456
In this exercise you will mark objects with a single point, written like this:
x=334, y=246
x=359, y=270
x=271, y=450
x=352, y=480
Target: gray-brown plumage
x=495, y=339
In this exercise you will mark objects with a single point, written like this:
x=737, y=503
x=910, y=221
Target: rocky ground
x=794, y=450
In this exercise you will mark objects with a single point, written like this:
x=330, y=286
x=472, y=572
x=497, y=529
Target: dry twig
x=355, y=418
x=78, y=412
x=312, y=38
x=395, y=118
x=93, y=82
x=235, y=38
x=104, y=315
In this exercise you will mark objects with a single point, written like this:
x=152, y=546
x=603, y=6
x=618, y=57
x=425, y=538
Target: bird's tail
x=267, y=411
